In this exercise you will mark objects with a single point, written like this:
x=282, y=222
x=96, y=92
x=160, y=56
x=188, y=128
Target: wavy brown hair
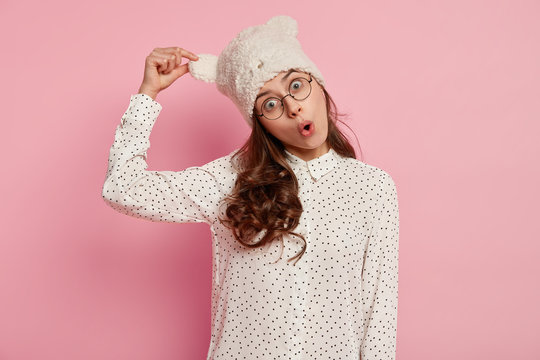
x=265, y=196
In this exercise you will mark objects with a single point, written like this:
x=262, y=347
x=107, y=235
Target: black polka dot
x=340, y=299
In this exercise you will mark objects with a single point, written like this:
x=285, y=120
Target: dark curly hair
x=265, y=195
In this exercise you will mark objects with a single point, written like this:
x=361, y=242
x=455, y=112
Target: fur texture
x=257, y=54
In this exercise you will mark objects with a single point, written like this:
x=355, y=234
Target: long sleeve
x=186, y=196
x=380, y=278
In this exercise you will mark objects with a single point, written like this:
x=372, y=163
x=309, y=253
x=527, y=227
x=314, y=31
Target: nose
x=292, y=106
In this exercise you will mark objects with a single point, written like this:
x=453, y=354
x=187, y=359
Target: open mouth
x=306, y=128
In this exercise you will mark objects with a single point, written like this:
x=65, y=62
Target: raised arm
x=187, y=196
x=380, y=278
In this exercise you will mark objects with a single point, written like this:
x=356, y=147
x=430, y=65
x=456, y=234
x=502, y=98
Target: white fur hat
x=257, y=54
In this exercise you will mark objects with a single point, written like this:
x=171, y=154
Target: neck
x=309, y=154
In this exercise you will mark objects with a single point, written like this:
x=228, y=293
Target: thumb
x=179, y=71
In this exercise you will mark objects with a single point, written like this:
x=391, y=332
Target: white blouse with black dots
x=339, y=301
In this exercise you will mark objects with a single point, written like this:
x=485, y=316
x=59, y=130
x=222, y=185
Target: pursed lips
x=303, y=124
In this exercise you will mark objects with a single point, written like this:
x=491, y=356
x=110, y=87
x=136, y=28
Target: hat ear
x=205, y=68
x=284, y=24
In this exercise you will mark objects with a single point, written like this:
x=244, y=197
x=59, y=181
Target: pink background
x=445, y=96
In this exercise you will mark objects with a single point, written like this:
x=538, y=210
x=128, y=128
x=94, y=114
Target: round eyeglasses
x=299, y=89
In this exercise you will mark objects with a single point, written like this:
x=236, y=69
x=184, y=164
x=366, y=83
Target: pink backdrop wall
x=445, y=96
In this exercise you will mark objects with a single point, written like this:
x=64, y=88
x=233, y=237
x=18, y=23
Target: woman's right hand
x=162, y=68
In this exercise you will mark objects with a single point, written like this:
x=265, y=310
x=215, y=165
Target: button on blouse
x=338, y=301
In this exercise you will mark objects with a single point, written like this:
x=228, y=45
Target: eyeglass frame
x=289, y=94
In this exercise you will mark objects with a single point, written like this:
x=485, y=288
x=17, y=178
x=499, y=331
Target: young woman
x=293, y=191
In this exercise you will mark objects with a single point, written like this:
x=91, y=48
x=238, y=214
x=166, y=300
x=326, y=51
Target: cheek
x=321, y=108
x=276, y=129
x=319, y=101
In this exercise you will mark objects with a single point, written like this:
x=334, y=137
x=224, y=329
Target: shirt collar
x=317, y=167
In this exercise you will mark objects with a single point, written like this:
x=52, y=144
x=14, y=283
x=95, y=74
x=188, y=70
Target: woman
x=295, y=188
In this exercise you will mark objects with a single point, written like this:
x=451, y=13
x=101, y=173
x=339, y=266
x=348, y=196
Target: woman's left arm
x=380, y=277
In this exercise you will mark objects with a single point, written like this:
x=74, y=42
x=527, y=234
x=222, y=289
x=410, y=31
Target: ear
x=284, y=24
x=205, y=68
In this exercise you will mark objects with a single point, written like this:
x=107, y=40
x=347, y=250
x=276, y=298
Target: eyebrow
x=282, y=80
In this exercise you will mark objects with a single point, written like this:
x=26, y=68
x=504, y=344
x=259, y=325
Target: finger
x=167, y=55
x=171, y=63
x=161, y=63
x=177, y=59
x=181, y=70
x=186, y=53
x=179, y=52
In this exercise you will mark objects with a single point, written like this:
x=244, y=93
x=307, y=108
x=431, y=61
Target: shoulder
x=223, y=165
x=376, y=178
x=359, y=168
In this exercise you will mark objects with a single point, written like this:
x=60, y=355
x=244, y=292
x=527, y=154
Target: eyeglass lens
x=300, y=88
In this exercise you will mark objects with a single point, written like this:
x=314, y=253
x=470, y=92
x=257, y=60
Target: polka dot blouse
x=339, y=301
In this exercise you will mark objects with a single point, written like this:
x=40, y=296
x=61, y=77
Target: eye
x=270, y=104
x=296, y=84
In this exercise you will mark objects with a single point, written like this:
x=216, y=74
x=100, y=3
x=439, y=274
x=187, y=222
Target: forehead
x=288, y=74
x=280, y=80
